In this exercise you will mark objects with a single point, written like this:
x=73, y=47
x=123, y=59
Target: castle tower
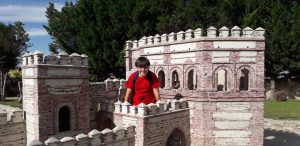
x=221, y=75
x=55, y=92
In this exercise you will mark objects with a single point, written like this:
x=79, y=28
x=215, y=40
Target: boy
x=143, y=84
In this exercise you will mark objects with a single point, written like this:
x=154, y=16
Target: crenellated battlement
x=13, y=116
x=63, y=58
x=196, y=35
x=151, y=109
x=118, y=136
x=12, y=126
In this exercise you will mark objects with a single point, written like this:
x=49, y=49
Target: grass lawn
x=282, y=110
x=13, y=103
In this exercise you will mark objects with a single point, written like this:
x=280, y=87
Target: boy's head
x=142, y=64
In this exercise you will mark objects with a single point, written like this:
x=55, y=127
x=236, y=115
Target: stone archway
x=64, y=119
x=176, y=138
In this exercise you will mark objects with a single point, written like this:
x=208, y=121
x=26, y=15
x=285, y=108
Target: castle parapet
x=115, y=84
x=13, y=116
x=63, y=58
x=194, y=35
x=118, y=136
x=151, y=109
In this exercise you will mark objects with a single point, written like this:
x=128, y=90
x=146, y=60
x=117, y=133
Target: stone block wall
x=12, y=127
x=119, y=136
x=190, y=65
x=155, y=123
x=226, y=123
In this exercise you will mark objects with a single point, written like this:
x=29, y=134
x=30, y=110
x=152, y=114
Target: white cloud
x=11, y=13
x=24, y=13
x=37, y=32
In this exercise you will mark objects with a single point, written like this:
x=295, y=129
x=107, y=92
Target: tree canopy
x=99, y=29
x=13, y=42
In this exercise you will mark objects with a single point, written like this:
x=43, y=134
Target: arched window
x=64, y=119
x=161, y=78
x=222, y=80
x=192, y=80
x=176, y=138
x=244, y=80
x=175, y=80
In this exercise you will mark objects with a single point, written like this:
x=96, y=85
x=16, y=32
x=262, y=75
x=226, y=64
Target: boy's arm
x=156, y=94
x=128, y=94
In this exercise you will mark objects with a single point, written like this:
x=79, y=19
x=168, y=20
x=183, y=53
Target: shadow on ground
x=280, y=138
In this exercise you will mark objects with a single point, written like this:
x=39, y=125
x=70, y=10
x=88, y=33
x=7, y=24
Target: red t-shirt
x=143, y=90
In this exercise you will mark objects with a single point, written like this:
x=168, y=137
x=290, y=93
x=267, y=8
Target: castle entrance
x=176, y=138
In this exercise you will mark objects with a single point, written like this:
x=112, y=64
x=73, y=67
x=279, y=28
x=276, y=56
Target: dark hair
x=142, y=62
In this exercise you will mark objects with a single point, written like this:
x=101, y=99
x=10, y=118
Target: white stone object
x=35, y=143
x=84, y=60
x=188, y=34
x=232, y=116
x=118, y=107
x=50, y=59
x=68, y=141
x=247, y=32
x=64, y=58
x=133, y=110
x=82, y=139
x=136, y=43
x=25, y=59
x=211, y=32
x=38, y=57
x=52, y=141
x=95, y=137
x=125, y=107
x=175, y=104
x=234, y=44
x=149, y=40
x=160, y=105
x=75, y=59
x=259, y=32
x=154, y=50
x=180, y=36
x=152, y=108
x=171, y=37
x=235, y=32
x=164, y=38
x=197, y=33
x=143, y=41
x=156, y=39
x=142, y=109
x=129, y=45
x=223, y=32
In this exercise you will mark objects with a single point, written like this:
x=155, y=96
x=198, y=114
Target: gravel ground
x=281, y=132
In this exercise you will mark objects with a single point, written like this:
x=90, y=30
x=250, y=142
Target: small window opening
x=192, y=80
x=161, y=78
x=244, y=80
x=222, y=80
x=175, y=80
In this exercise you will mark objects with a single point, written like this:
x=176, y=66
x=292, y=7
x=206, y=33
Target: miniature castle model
x=212, y=90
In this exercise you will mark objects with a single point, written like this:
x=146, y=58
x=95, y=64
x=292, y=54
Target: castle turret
x=55, y=92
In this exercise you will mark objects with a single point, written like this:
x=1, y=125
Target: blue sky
x=32, y=14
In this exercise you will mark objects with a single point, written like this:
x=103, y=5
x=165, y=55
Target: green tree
x=13, y=43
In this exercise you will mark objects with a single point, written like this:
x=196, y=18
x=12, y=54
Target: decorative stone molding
x=94, y=138
x=37, y=57
x=151, y=109
x=190, y=34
